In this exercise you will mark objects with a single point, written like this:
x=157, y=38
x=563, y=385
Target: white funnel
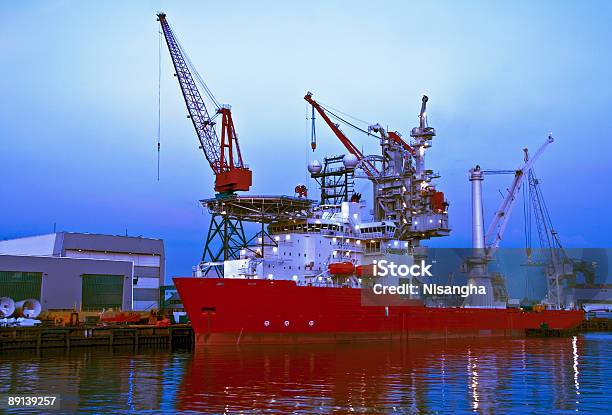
x=29, y=308
x=7, y=307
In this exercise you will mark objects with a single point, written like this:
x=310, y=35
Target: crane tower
x=226, y=234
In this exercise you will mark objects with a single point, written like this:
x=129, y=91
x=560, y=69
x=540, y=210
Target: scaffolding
x=226, y=237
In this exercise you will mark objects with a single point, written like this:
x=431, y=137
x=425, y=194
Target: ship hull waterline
x=243, y=311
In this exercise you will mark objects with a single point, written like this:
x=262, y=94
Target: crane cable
x=329, y=107
x=326, y=109
x=527, y=218
x=159, y=54
x=195, y=72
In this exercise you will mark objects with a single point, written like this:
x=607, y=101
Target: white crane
x=485, y=244
x=496, y=229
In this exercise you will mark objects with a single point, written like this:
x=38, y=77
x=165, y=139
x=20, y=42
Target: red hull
x=231, y=311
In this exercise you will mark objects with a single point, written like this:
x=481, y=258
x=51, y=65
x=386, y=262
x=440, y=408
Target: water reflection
x=481, y=376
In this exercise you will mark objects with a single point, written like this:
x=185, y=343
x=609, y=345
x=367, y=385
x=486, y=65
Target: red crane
x=393, y=136
x=223, y=155
x=366, y=165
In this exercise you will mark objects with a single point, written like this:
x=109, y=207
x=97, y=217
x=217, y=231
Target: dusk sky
x=78, y=112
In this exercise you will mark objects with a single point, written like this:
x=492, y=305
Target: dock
x=134, y=336
x=589, y=325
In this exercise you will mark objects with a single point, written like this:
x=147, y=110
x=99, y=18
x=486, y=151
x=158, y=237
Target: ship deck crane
x=558, y=266
x=497, y=227
x=392, y=136
x=552, y=256
x=403, y=189
x=486, y=244
x=367, y=166
x=226, y=235
x=223, y=155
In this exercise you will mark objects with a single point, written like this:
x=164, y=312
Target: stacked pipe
x=29, y=308
x=7, y=307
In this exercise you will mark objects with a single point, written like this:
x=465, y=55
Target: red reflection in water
x=419, y=377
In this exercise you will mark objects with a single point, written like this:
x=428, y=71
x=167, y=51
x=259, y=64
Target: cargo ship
x=307, y=277
x=308, y=274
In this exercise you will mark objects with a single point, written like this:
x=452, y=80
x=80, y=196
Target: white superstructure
x=316, y=250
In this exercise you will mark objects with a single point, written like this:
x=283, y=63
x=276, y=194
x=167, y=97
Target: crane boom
x=223, y=155
x=497, y=227
x=366, y=165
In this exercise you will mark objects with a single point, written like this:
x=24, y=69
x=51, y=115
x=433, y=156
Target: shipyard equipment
x=486, y=244
x=7, y=307
x=403, y=189
x=223, y=155
x=29, y=308
x=226, y=234
x=558, y=267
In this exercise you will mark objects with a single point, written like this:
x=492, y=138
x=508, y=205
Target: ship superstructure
x=334, y=242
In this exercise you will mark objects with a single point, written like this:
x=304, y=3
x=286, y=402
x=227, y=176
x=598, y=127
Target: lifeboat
x=341, y=268
x=365, y=270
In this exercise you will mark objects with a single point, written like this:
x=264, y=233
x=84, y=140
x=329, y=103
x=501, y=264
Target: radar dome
x=350, y=161
x=314, y=167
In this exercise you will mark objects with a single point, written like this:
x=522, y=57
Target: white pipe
x=29, y=308
x=478, y=239
x=7, y=307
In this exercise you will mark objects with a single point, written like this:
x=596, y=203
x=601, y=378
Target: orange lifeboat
x=366, y=270
x=341, y=268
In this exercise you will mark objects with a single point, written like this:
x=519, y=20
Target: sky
x=79, y=106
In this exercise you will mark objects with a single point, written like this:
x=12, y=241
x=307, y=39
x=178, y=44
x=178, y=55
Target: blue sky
x=79, y=105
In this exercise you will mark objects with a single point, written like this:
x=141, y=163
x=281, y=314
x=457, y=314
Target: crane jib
x=366, y=165
x=223, y=155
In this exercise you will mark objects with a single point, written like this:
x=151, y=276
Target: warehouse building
x=89, y=271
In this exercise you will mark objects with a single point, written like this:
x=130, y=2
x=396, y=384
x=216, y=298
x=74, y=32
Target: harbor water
x=531, y=375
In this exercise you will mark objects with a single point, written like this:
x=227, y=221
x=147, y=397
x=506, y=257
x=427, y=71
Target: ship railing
x=372, y=250
x=385, y=249
x=353, y=247
x=392, y=191
x=373, y=235
x=323, y=283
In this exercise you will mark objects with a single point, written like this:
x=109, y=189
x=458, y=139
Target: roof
x=57, y=243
